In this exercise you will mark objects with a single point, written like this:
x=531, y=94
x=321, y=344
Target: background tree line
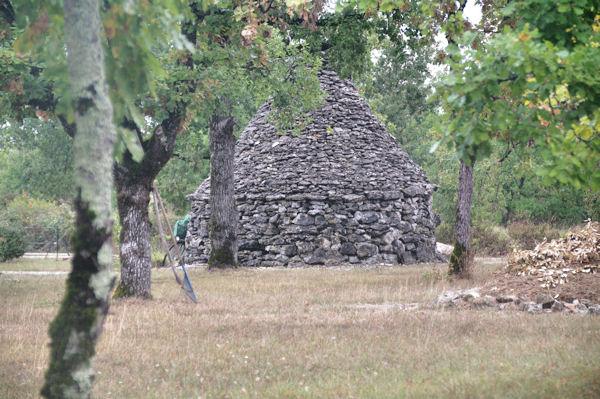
x=392, y=69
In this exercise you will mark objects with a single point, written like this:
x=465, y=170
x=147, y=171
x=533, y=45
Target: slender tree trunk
x=132, y=200
x=462, y=257
x=224, y=215
x=75, y=330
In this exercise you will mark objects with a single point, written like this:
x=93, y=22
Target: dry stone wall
x=343, y=191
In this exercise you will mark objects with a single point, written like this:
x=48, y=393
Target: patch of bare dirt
x=579, y=286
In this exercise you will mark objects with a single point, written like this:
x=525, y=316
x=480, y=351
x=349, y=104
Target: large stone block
x=366, y=250
x=366, y=217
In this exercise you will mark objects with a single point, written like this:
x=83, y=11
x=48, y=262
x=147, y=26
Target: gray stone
x=352, y=197
x=581, y=309
x=303, y=220
x=305, y=247
x=366, y=217
x=390, y=237
x=469, y=295
x=407, y=258
x=558, y=306
x=317, y=257
x=390, y=259
x=320, y=220
x=489, y=300
x=585, y=302
x=322, y=242
x=447, y=299
x=545, y=300
x=534, y=307
x=365, y=250
x=249, y=245
x=288, y=250
x=594, y=309
x=347, y=249
x=505, y=298
x=297, y=192
x=481, y=302
x=414, y=191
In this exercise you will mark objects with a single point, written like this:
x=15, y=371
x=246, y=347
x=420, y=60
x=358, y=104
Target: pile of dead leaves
x=555, y=261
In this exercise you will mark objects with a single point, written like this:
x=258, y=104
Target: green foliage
x=188, y=167
x=507, y=188
x=535, y=84
x=342, y=38
x=133, y=32
x=240, y=65
x=25, y=211
x=37, y=220
x=239, y=59
x=397, y=90
x=526, y=235
x=490, y=240
x=36, y=158
x=504, y=192
x=12, y=244
x=522, y=234
x=592, y=204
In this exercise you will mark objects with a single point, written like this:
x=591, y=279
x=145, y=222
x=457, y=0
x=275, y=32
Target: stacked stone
x=343, y=191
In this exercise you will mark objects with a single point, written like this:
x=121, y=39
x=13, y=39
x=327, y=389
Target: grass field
x=305, y=333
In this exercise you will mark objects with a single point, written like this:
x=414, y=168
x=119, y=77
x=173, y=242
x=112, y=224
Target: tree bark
x=224, y=215
x=132, y=201
x=134, y=185
x=461, y=258
x=75, y=330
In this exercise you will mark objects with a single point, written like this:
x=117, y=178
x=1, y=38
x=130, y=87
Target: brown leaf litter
x=566, y=268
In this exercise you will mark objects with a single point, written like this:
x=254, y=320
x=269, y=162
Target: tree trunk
x=462, y=257
x=75, y=330
x=224, y=215
x=132, y=200
x=134, y=183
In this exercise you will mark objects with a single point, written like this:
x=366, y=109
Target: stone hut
x=343, y=191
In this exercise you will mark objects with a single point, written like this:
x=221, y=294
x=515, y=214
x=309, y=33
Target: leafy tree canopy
x=533, y=84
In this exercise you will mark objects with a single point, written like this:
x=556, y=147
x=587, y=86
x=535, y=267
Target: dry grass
x=307, y=333
x=36, y=265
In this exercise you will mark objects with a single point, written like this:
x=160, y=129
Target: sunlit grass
x=307, y=333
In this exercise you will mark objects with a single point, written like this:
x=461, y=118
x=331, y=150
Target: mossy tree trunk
x=223, y=211
x=75, y=330
x=461, y=258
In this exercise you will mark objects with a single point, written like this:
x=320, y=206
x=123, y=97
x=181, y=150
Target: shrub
x=490, y=240
x=37, y=220
x=12, y=244
x=445, y=232
x=526, y=235
x=497, y=240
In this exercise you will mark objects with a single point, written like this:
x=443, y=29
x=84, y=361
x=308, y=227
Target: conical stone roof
x=341, y=191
